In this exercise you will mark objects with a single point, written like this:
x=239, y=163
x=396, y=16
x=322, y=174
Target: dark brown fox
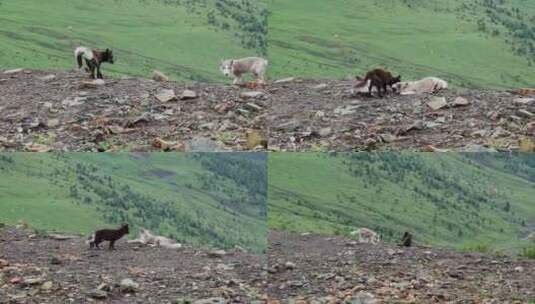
x=93, y=59
x=380, y=79
x=110, y=235
x=406, y=240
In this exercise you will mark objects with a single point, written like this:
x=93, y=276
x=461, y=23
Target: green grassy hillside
x=206, y=199
x=464, y=201
x=184, y=38
x=483, y=43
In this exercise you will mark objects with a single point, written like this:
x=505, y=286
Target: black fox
x=110, y=235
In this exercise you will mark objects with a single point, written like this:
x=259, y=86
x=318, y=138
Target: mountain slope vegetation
x=194, y=198
x=184, y=38
x=482, y=44
x=465, y=201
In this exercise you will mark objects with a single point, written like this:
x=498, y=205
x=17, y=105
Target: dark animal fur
x=406, y=240
x=380, y=79
x=110, y=235
x=98, y=58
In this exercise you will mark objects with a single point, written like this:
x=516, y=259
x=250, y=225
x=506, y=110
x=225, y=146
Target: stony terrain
x=327, y=116
x=36, y=268
x=323, y=269
x=66, y=111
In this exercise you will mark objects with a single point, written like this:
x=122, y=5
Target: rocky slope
x=64, y=110
x=42, y=269
x=327, y=115
x=323, y=269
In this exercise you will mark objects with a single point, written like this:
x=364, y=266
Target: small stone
x=14, y=71
x=210, y=301
x=519, y=269
x=523, y=101
x=47, y=285
x=253, y=107
x=285, y=80
x=320, y=86
x=525, y=113
x=48, y=77
x=33, y=281
x=97, y=294
x=324, y=132
x=437, y=103
x=460, y=101
x=52, y=123
x=165, y=95
x=92, y=84
x=289, y=265
x=128, y=286
x=346, y=110
x=255, y=138
x=188, y=94
x=38, y=148
x=319, y=114
x=251, y=94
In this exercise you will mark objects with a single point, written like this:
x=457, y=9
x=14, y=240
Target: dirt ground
x=40, y=269
x=325, y=115
x=65, y=111
x=325, y=269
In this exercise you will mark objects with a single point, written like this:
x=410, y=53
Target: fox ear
x=232, y=62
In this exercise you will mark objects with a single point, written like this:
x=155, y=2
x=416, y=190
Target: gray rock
x=324, y=132
x=346, y=110
x=460, y=101
x=320, y=86
x=284, y=80
x=97, y=294
x=52, y=123
x=165, y=95
x=48, y=77
x=525, y=113
x=210, y=301
x=523, y=101
x=203, y=144
x=128, y=286
x=289, y=265
x=253, y=107
x=437, y=103
x=476, y=149
x=251, y=94
x=188, y=94
x=14, y=71
x=362, y=298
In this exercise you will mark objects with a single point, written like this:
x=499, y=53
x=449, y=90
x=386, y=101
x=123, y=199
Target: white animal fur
x=147, y=238
x=238, y=67
x=426, y=85
x=365, y=235
x=362, y=88
x=86, y=53
x=90, y=239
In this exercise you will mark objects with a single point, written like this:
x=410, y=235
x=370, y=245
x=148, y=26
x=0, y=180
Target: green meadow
x=194, y=198
x=184, y=39
x=448, y=200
